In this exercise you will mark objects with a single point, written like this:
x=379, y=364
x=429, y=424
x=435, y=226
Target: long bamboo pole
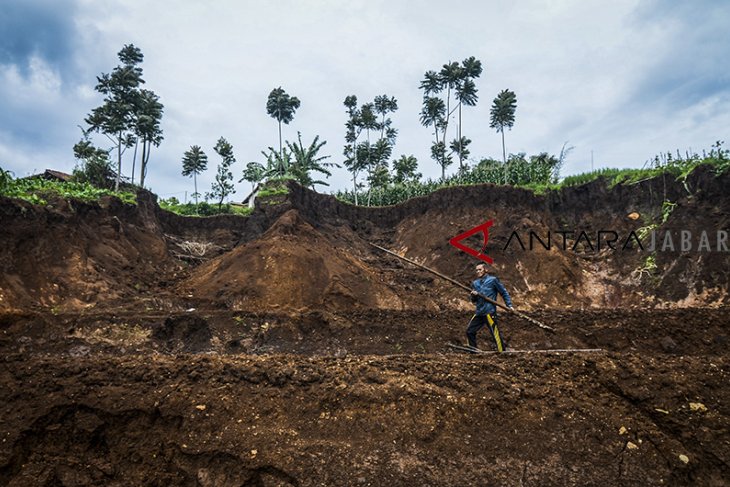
x=467, y=288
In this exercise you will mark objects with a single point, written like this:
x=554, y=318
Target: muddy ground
x=142, y=348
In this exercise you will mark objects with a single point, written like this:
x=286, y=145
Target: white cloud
x=41, y=84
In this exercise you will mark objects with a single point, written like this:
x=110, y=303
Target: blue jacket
x=489, y=286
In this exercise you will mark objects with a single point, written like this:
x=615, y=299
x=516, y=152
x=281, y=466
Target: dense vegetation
x=664, y=164
x=540, y=173
x=39, y=191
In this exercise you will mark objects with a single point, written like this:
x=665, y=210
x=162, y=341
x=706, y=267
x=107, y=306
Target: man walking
x=486, y=312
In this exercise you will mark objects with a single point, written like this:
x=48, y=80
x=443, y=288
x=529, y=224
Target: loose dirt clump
x=189, y=333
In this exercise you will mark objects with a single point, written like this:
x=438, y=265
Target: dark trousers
x=477, y=323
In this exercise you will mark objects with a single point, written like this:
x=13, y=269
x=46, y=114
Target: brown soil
x=143, y=348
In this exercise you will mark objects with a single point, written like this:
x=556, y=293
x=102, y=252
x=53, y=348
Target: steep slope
x=73, y=254
x=307, y=250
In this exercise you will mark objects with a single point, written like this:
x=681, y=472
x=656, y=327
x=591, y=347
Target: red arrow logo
x=484, y=228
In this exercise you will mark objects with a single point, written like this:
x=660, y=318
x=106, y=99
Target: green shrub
x=94, y=168
x=5, y=179
x=273, y=187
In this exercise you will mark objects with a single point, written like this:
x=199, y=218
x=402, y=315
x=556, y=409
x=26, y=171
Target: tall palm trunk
x=143, y=163
x=354, y=186
x=119, y=162
x=280, y=146
x=356, y=162
x=195, y=185
x=134, y=158
x=504, y=157
x=504, y=154
x=461, y=158
x=448, y=113
x=370, y=168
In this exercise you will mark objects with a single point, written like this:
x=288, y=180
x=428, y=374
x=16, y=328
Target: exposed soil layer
x=307, y=251
x=685, y=332
x=138, y=347
x=414, y=419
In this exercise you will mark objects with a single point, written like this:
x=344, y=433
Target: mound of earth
x=292, y=266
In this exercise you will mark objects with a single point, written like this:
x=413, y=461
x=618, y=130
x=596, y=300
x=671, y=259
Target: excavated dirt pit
x=286, y=351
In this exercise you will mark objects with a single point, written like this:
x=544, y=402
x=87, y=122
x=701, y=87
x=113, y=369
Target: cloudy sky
x=619, y=80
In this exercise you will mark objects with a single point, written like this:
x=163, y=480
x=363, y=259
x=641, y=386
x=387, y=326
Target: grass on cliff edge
x=678, y=167
x=203, y=208
x=38, y=191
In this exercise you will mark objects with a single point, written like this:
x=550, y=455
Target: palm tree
x=431, y=84
x=451, y=76
x=439, y=154
x=281, y=106
x=223, y=183
x=368, y=121
x=405, y=169
x=115, y=118
x=432, y=113
x=149, y=115
x=459, y=147
x=194, y=162
x=379, y=180
x=503, y=115
x=353, y=162
x=437, y=110
x=306, y=160
x=466, y=94
x=472, y=67
x=384, y=105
